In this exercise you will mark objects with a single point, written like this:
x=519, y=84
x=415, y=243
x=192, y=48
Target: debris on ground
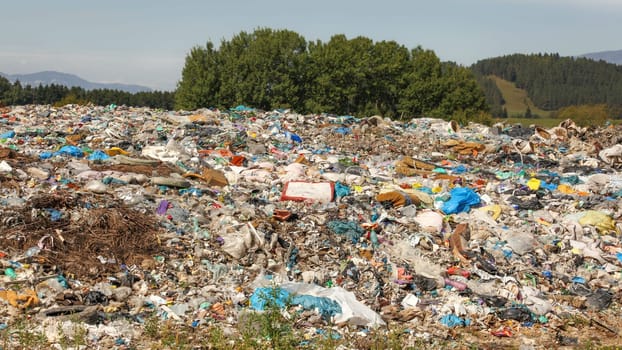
x=135, y=221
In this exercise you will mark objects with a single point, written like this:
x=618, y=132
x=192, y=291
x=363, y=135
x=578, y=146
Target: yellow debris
x=22, y=301
x=114, y=151
x=533, y=184
x=494, y=210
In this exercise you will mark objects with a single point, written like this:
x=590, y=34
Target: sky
x=145, y=42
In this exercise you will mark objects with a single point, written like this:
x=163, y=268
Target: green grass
x=516, y=100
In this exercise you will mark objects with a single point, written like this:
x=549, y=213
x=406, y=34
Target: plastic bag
x=98, y=156
x=69, y=151
x=8, y=135
x=352, y=311
x=462, y=198
x=600, y=220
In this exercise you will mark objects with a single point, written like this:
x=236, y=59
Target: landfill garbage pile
x=466, y=235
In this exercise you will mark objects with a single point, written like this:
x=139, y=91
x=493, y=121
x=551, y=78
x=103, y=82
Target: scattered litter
x=358, y=223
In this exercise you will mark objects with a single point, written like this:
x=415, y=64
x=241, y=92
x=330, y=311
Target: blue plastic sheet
x=55, y=215
x=45, y=155
x=347, y=228
x=327, y=307
x=548, y=186
x=69, y=151
x=343, y=130
x=63, y=151
x=98, y=156
x=8, y=135
x=461, y=200
x=293, y=137
x=460, y=169
x=264, y=296
x=578, y=279
x=454, y=321
x=341, y=190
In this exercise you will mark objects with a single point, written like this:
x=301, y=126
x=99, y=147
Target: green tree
x=5, y=90
x=440, y=89
x=262, y=69
x=424, y=89
x=278, y=68
x=200, y=79
x=16, y=96
x=553, y=82
x=356, y=76
x=460, y=93
x=387, y=80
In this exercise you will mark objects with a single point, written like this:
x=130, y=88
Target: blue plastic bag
x=98, y=156
x=341, y=190
x=264, y=296
x=548, y=186
x=45, y=155
x=461, y=200
x=327, y=307
x=55, y=215
x=69, y=151
x=293, y=137
x=350, y=229
x=8, y=135
x=343, y=130
x=460, y=169
x=454, y=321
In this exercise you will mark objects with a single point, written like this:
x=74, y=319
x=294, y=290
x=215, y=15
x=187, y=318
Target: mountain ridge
x=612, y=56
x=66, y=79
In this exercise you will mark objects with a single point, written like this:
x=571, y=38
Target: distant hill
x=69, y=80
x=550, y=81
x=614, y=57
x=516, y=101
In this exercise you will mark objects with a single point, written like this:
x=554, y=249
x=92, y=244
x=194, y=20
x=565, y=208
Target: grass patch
x=517, y=100
x=21, y=335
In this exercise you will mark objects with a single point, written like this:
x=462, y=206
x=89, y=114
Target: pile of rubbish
x=114, y=215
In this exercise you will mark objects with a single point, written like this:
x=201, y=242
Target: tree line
x=16, y=94
x=553, y=82
x=270, y=69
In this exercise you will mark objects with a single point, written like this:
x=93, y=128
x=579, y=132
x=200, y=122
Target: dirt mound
x=89, y=241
